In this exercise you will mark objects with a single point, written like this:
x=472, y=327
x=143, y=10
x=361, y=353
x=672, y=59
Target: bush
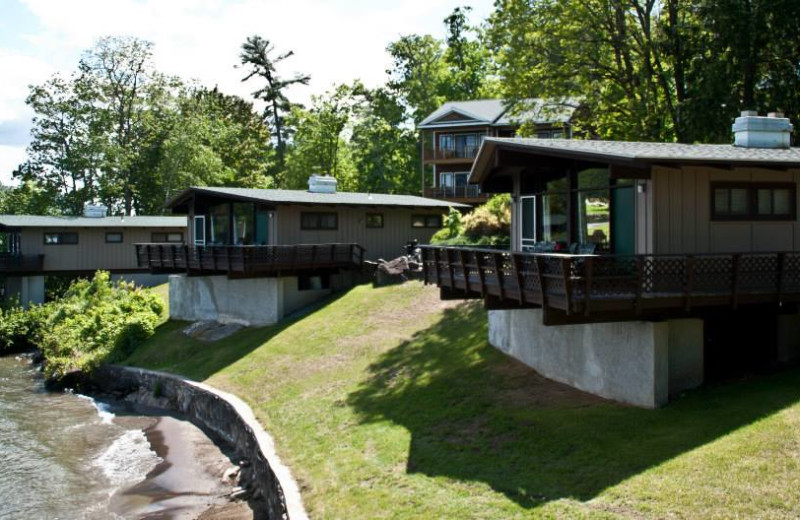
x=95, y=321
x=488, y=224
x=452, y=227
x=18, y=327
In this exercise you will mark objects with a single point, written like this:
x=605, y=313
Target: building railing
x=469, y=191
x=619, y=286
x=12, y=263
x=443, y=154
x=248, y=260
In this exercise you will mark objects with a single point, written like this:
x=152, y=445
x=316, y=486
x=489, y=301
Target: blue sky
x=334, y=40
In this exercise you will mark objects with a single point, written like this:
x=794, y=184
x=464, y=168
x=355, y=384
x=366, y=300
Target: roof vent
x=94, y=210
x=321, y=184
x=754, y=131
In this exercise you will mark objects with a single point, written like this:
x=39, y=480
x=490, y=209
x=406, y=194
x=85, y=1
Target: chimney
x=94, y=210
x=753, y=131
x=321, y=184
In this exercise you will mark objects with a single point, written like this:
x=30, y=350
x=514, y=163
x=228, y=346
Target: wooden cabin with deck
x=640, y=269
x=256, y=255
x=34, y=247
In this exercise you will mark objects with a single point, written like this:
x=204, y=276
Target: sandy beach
x=188, y=482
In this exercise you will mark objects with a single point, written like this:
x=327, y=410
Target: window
x=219, y=225
x=374, y=220
x=114, y=237
x=59, y=239
x=753, y=201
x=161, y=237
x=243, y=214
x=426, y=221
x=313, y=282
x=528, y=219
x=319, y=221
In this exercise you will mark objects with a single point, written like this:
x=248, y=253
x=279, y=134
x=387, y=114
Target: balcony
x=248, y=261
x=469, y=193
x=591, y=288
x=459, y=154
x=12, y=263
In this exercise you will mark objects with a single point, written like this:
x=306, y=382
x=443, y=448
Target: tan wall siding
x=91, y=252
x=386, y=242
x=682, y=213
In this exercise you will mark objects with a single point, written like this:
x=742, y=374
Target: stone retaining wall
x=224, y=414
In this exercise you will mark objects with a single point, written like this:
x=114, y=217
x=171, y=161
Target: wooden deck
x=13, y=264
x=586, y=288
x=248, y=261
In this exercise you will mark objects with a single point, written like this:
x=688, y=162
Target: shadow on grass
x=477, y=415
x=170, y=350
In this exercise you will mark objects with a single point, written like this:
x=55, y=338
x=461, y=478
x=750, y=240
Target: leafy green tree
x=255, y=54
x=29, y=198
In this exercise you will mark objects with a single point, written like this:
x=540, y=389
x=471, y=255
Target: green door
x=262, y=228
x=623, y=219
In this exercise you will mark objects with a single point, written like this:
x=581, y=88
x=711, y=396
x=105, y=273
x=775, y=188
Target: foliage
x=649, y=70
x=451, y=229
x=95, y=321
x=487, y=225
x=17, y=327
x=255, y=54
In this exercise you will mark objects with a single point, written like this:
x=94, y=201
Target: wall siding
x=91, y=252
x=682, y=213
x=386, y=242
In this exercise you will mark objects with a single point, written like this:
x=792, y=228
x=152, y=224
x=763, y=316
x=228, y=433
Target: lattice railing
x=580, y=282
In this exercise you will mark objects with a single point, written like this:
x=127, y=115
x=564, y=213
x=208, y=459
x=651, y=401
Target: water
x=64, y=456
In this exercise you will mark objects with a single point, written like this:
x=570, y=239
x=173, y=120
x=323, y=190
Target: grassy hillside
x=387, y=403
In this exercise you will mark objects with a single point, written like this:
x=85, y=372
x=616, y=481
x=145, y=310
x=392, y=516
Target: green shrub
x=17, y=327
x=452, y=227
x=488, y=224
x=94, y=321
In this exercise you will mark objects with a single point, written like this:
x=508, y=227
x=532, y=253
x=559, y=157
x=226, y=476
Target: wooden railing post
x=640, y=282
x=437, y=267
x=481, y=274
x=497, y=259
x=587, y=286
x=518, y=277
x=463, y=270
x=424, y=265
x=781, y=267
x=735, y=265
x=450, y=269
x=689, y=287
x=537, y=261
x=566, y=269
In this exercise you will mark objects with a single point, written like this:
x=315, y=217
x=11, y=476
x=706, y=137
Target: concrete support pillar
x=29, y=290
x=640, y=363
x=250, y=302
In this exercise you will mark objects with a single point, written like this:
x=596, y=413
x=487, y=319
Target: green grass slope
x=387, y=403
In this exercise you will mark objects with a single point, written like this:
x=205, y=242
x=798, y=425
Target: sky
x=336, y=41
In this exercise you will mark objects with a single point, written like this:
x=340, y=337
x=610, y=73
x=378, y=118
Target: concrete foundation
x=250, y=302
x=29, y=290
x=640, y=363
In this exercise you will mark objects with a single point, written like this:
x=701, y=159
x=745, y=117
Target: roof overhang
x=487, y=163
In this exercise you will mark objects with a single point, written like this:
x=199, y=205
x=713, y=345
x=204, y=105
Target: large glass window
x=219, y=225
x=62, y=238
x=319, y=221
x=528, y=220
x=594, y=208
x=243, y=224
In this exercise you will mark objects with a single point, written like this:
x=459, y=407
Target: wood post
x=566, y=268
x=463, y=270
x=587, y=286
x=640, y=281
x=781, y=267
x=498, y=272
x=689, y=286
x=518, y=276
x=481, y=274
x=735, y=265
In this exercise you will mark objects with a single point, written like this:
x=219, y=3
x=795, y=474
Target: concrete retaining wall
x=28, y=289
x=251, y=302
x=224, y=414
x=628, y=361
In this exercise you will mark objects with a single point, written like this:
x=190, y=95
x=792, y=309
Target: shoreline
x=189, y=481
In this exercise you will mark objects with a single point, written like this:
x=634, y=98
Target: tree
x=65, y=153
x=28, y=198
x=256, y=55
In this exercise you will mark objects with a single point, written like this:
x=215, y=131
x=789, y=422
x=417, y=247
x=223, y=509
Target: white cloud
x=10, y=158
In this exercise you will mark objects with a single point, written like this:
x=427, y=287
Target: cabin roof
x=21, y=221
x=496, y=112
x=634, y=153
x=308, y=198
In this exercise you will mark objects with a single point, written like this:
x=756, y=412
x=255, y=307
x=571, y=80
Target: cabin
x=452, y=135
x=35, y=247
x=639, y=270
x=255, y=255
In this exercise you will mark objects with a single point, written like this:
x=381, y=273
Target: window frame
x=166, y=237
x=318, y=215
x=373, y=214
x=60, y=241
x=752, y=214
x=121, y=237
x=425, y=222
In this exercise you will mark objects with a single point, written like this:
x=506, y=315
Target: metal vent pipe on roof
x=321, y=184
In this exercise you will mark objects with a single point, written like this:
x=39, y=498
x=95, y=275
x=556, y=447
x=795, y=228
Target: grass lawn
x=387, y=403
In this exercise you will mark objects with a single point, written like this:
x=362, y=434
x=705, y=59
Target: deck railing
x=248, y=260
x=11, y=263
x=470, y=191
x=451, y=153
x=594, y=284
